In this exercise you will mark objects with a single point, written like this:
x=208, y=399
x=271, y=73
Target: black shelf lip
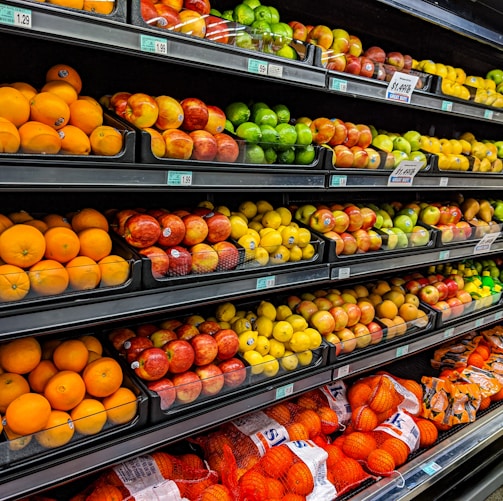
x=449, y=19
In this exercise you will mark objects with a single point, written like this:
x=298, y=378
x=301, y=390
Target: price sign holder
x=486, y=242
x=401, y=87
x=404, y=174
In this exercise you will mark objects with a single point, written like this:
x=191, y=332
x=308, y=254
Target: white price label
x=486, y=243
x=401, y=87
x=338, y=84
x=257, y=67
x=266, y=282
x=14, y=16
x=179, y=178
x=338, y=180
x=444, y=181
x=404, y=174
x=154, y=45
x=342, y=371
x=344, y=273
x=275, y=70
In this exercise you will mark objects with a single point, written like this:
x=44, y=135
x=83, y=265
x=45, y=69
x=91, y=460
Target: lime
x=249, y=131
x=274, y=14
x=266, y=116
x=259, y=105
x=305, y=155
x=282, y=33
x=288, y=52
x=262, y=30
x=228, y=126
x=244, y=40
x=270, y=155
x=263, y=13
x=287, y=134
x=269, y=135
x=237, y=113
x=304, y=134
x=253, y=4
x=243, y=14
x=283, y=113
x=215, y=12
x=287, y=156
x=254, y=154
x=228, y=14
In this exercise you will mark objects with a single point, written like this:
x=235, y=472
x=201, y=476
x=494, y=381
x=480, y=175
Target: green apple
x=379, y=220
x=274, y=14
x=261, y=30
x=253, y=4
x=373, y=131
x=419, y=237
x=244, y=40
x=498, y=210
x=287, y=135
x=304, y=134
x=286, y=155
x=403, y=241
x=414, y=139
x=237, y=112
x=403, y=222
x=391, y=240
x=410, y=212
x=401, y=144
x=288, y=52
x=243, y=14
x=305, y=155
x=263, y=13
x=303, y=213
x=495, y=75
x=499, y=147
x=270, y=155
x=229, y=127
x=383, y=142
x=399, y=156
x=388, y=208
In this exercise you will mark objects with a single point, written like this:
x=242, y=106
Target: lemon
x=305, y=357
x=295, y=254
x=256, y=360
x=248, y=242
x=222, y=209
x=308, y=252
x=251, y=316
x=271, y=366
x=255, y=234
x=263, y=346
x=282, y=331
x=289, y=236
x=225, y=312
x=266, y=309
x=248, y=208
x=289, y=361
x=283, y=311
x=276, y=348
x=224, y=325
x=247, y=341
x=264, y=206
x=241, y=325
x=271, y=241
x=261, y=256
x=263, y=325
x=315, y=338
x=298, y=322
x=271, y=219
x=255, y=225
x=300, y=341
x=239, y=226
x=281, y=255
x=303, y=237
x=286, y=215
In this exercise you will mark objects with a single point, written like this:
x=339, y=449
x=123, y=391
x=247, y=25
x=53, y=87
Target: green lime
x=288, y=52
x=243, y=14
x=282, y=33
x=252, y=3
x=259, y=105
x=215, y=12
x=283, y=113
x=287, y=156
x=287, y=135
x=266, y=116
x=304, y=134
x=274, y=14
x=237, y=113
x=270, y=155
x=249, y=131
x=269, y=134
x=244, y=40
x=261, y=29
x=228, y=14
x=228, y=126
x=254, y=154
x=263, y=13
x=305, y=155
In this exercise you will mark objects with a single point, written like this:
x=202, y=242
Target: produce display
x=95, y=6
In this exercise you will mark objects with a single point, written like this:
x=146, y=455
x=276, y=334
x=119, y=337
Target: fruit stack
x=103, y=7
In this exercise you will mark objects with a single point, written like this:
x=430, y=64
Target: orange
x=216, y=492
x=102, y=377
x=49, y=109
x=28, y=413
x=14, y=283
x=400, y=325
x=99, y=6
x=192, y=461
x=253, y=486
x=26, y=89
x=397, y=449
x=57, y=432
x=359, y=445
x=106, y=141
x=89, y=218
x=391, y=328
x=359, y=394
x=61, y=244
x=395, y=296
x=56, y=220
x=114, y=270
x=105, y=492
x=92, y=343
x=275, y=489
x=74, y=141
x=428, y=433
x=37, y=137
x=277, y=460
x=86, y=115
x=65, y=390
x=20, y=216
x=92, y=356
x=164, y=462
x=5, y=222
x=414, y=387
x=89, y=416
x=12, y=385
x=16, y=441
x=408, y=311
x=10, y=140
x=157, y=143
x=299, y=479
x=62, y=89
x=387, y=309
x=39, y=224
x=72, y=4
x=347, y=473
x=65, y=73
x=380, y=462
x=484, y=404
x=311, y=421
x=307, y=401
x=297, y=431
x=476, y=359
x=364, y=418
x=20, y=355
x=95, y=243
x=39, y=376
x=483, y=351
x=335, y=455
x=48, y=347
x=280, y=413
x=84, y=273
x=71, y=354
x=329, y=420
x=121, y=406
x=48, y=277
x=14, y=106
x=22, y=245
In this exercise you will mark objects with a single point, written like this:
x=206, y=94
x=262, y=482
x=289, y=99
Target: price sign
x=444, y=181
x=443, y=255
x=446, y=105
x=486, y=243
x=284, y=391
x=338, y=180
x=257, y=67
x=14, y=16
x=342, y=371
x=448, y=332
x=154, y=45
x=344, y=273
x=489, y=114
x=179, y=178
x=402, y=350
x=431, y=468
x=275, y=70
x=404, y=174
x=401, y=87
x=338, y=84
x=266, y=282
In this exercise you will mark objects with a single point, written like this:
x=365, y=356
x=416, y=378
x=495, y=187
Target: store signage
x=486, y=242
x=266, y=282
x=338, y=181
x=179, y=178
x=401, y=87
x=404, y=174
x=259, y=67
x=154, y=45
x=338, y=84
x=15, y=16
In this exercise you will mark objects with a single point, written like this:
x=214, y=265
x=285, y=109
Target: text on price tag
x=486, y=242
x=401, y=87
x=404, y=174
x=15, y=16
x=155, y=45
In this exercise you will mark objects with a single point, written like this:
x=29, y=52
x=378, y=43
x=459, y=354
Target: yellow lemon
x=456, y=147
x=248, y=208
x=261, y=256
x=305, y=357
x=254, y=234
x=248, y=242
x=303, y=237
x=271, y=241
x=271, y=219
x=239, y=227
x=271, y=366
x=223, y=210
x=280, y=255
x=286, y=215
x=241, y=325
x=262, y=345
x=308, y=252
x=289, y=361
x=247, y=341
x=276, y=348
x=298, y=322
x=283, y=311
x=263, y=206
x=255, y=225
x=282, y=331
x=225, y=312
x=266, y=309
x=315, y=338
x=255, y=359
x=300, y=341
x=263, y=325
x=289, y=236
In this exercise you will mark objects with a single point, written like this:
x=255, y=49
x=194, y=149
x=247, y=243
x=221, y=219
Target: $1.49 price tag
x=404, y=174
x=401, y=87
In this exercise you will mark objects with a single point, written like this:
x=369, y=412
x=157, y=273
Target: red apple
x=205, y=145
x=167, y=17
x=160, y=337
x=464, y=296
x=367, y=67
x=362, y=335
x=195, y=114
x=146, y=330
x=413, y=286
x=227, y=342
x=353, y=134
x=141, y=110
x=151, y=364
x=364, y=136
x=322, y=220
x=135, y=345
x=376, y=332
x=141, y=230
x=210, y=327
x=299, y=30
x=341, y=221
x=227, y=148
x=339, y=242
x=217, y=29
x=336, y=62
x=452, y=287
x=355, y=45
x=341, y=43
x=119, y=336
x=306, y=308
x=201, y=6
x=148, y=12
x=375, y=240
x=118, y=101
x=350, y=244
x=228, y=255
x=444, y=308
x=180, y=355
x=376, y=54
x=170, y=113
x=369, y=218
x=120, y=219
x=196, y=229
x=321, y=35
x=204, y=258
x=188, y=387
x=165, y=388
x=178, y=144
x=186, y=331
x=353, y=64
x=362, y=240
x=395, y=59
x=429, y=294
x=465, y=230
x=443, y=290
x=323, y=321
x=219, y=227
x=430, y=215
x=456, y=306
x=216, y=120
x=340, y=132
x=174, y=4
x=212, y=379
x=205, y=349
x=354, y=313
x=234, y=371
x=170, y=324
x=340, y=316
x=458, y=279
x=172, y=230
x=355, y=217
x=191, y=23
x=447, y=233
x=343, y=156
x=159, y=260
x=407, y=62
x=360, y=157
x=322, y=129
x=323, y=303
x=348, y=340
x=180, y=261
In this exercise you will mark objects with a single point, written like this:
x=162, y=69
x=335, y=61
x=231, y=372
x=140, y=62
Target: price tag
x=488, y=114
x=344, y=273
x=284, y=391
x=448, y=332
x=154, y=45
x=338, y=180
x=480, y=322
x=442, y=255
x=402, y=350
x=431, y=468
x=342, y=371
x=257, y=67
x=446, y=105
x=498, y=315
x=338, y=84
x=179, y=178
x=486, y=242
x=266, y=282
x=14, y=16
x=404, y=174
x=444, y=181
x=275, y=70
x=401, y=87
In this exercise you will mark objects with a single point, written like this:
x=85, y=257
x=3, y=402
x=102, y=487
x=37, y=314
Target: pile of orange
x=52, y=254
x=55, y=119
x=56, y=389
